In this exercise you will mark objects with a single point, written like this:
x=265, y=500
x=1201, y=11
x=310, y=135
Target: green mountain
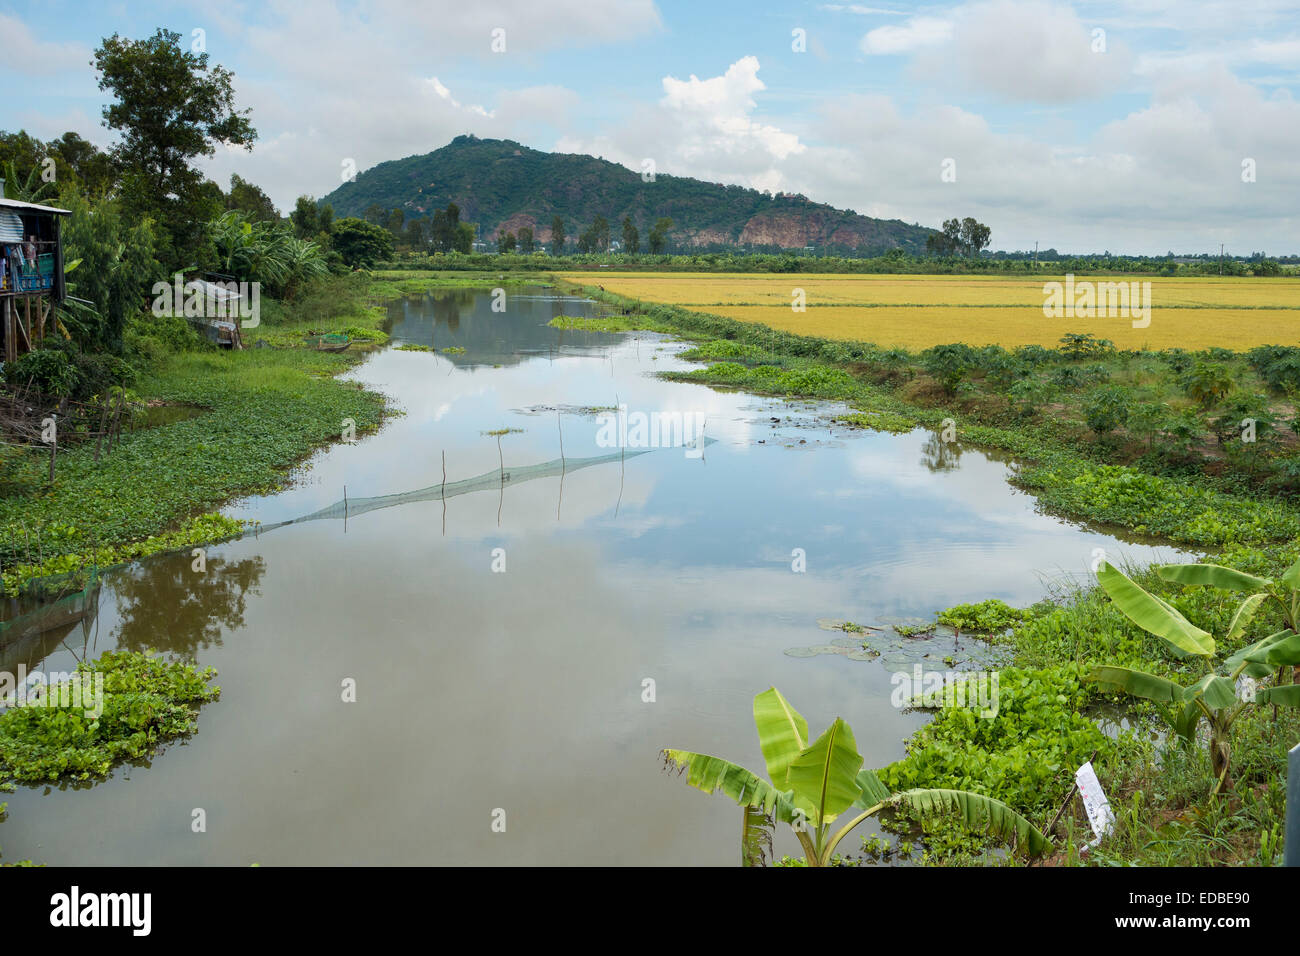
x=501, y=185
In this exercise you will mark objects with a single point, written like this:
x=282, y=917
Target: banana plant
x=1214, y=696
x=811, y=785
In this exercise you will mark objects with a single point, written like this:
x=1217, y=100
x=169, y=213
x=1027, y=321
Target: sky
x=1137, y=128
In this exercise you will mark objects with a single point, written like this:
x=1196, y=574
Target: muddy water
x=500, y=639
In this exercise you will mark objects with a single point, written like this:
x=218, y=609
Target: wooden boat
x=329, y=342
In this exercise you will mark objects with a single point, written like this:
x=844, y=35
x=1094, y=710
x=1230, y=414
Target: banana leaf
x=978, y=812
x=1183, y=718
x=1138, y=684
x=1153, y=614
x=824, y=777
x=782, y=733
x=714, y=775
x=873, y=791
x=1254, y=668
x=1244, y=615
x=1291, y=576
x=1212, y=575
x=1217, y=692
x=1288, y=695
x=1283, y=652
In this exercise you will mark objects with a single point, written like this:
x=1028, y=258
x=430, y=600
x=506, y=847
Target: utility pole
x=1035, y=255
x=1220, y=258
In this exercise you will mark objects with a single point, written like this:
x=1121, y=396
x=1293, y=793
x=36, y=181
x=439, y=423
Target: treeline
x=893, y=262
x=143, y=211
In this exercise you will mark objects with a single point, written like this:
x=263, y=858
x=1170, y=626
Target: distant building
x=31, y=273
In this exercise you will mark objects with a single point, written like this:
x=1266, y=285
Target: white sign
x=1094, y=801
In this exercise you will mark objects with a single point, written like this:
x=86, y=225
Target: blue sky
x=1084, y=125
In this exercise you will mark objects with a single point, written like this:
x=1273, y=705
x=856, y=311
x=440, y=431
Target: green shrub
x=986, y=617
x=146, y=701
x=48, y=370
x=1106, y=410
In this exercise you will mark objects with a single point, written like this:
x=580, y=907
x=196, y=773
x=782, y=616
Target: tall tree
x=414, y=233
x=526, y=242
x=464, y=238
x=305, y=218
x=169, y=108
x=445, y=229
x=394, y=222
x=600, y=233
x=361, y=243
x=557, y=235
x=947, y=241
x=631, y=238
x=974, y=236
x=249, y=199
x=116, y=262
x=659, y=234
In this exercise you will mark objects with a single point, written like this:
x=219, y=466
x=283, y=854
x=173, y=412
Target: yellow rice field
x=919, y=311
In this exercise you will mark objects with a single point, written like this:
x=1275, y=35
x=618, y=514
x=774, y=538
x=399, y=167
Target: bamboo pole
x=103, y=420
x=54, y=449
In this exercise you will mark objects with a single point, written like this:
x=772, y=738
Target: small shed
x=31, y=273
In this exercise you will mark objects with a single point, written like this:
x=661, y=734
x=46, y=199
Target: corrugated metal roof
x=32, y=207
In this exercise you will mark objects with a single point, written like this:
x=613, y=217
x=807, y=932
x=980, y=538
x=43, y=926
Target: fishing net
x=76, y=606
x=491, y=480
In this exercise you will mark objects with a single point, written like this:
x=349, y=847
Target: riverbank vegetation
x=789, y=262
x=120, y=707
x=1189, y=479
x=200, y=424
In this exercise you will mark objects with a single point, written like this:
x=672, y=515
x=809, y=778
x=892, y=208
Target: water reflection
x=522, y=688
x=941, y=454
x=502, y=328
x=165, y=604
x=39, y=629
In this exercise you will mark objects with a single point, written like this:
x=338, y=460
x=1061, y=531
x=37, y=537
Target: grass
x=1170, y=476
x=264, y=411
x=1049, y=719
x=604, y=323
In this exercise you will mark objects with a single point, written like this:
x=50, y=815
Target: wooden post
x=114, y=429
x=54, y=448
x=24, y=325
x=103, y=420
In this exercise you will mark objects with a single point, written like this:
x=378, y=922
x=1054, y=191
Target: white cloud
x=717, y=111
x=312, y=114
x=445, y=95
x=1034, y=51
x=861, y=10
x=703, y=128
x=915, y=34
x=24, y=54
